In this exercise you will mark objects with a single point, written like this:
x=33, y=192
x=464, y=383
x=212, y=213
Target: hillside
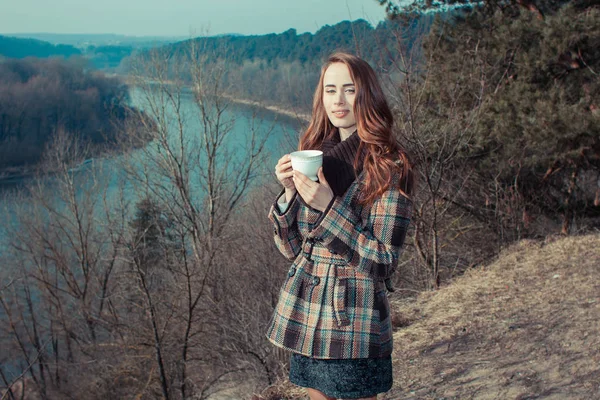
x=283, y=69
x=12, y=47
x=357, y=36
x=524, y=327
x=83, y=40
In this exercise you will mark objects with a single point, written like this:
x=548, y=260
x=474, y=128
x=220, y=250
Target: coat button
x=292, y=272
x=332, y=251
x=316, y=280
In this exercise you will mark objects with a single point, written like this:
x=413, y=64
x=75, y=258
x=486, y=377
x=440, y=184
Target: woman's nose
x=339, y=99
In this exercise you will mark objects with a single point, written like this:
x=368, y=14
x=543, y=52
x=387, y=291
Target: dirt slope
x=525, y=327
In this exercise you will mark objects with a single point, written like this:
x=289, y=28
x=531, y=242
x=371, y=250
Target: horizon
x=185, y=18
x=89, y=34
x=22, y=34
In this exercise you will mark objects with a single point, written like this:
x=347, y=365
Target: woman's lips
x=341, y=114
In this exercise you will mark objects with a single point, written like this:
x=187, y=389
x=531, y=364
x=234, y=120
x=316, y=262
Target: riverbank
x=13, y=176
x=287, y=112
x=301, y=117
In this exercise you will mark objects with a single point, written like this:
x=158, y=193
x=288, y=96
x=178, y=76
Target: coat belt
x=337, y=260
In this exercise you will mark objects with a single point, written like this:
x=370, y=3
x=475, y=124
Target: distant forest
x=283, y=69
x=100, y=55
x=269, y=50
x=11, y=47
x=40, y=97
x=357, y=36
x=256, y=61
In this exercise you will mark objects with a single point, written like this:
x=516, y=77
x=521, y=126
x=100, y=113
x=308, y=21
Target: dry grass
x=525, y=327
x=282, y=389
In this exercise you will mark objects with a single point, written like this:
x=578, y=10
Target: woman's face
x=338, y=98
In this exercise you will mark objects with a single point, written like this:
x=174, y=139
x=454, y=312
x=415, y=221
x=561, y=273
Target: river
x=239, y=119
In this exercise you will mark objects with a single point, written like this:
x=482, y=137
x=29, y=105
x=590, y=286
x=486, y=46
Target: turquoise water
x=108, y=183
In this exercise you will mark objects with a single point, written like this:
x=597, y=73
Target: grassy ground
x=525, y=327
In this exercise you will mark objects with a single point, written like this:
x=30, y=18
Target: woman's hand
x=284, y=172
x=318, y=195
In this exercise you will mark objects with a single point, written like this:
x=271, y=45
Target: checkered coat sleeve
x=285, y=226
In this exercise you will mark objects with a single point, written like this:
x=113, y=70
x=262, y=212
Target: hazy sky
x=180, y=17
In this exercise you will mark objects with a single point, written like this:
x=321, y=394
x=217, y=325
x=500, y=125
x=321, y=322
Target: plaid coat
x=333, y=303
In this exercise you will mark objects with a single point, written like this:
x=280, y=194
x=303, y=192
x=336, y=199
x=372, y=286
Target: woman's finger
x=286, y=174
x=285, y=164
x=302, y=191
x=301, y=180
x=284, y=161
x=322, y=179
x=305, y=186
x=304, y=178
x=283, y=168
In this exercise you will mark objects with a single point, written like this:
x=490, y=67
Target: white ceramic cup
x=307, y=162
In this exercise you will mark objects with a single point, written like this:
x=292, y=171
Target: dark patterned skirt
x=342, y=378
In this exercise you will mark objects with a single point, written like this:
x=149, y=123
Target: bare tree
x=196, y=169
x=58, y=308
x=442, y=215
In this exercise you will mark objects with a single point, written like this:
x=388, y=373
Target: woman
x=344, y=234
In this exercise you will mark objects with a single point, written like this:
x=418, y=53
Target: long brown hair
x=374, y=122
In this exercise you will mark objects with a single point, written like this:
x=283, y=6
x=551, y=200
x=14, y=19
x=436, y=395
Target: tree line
x=12, y=47
x=281, y=69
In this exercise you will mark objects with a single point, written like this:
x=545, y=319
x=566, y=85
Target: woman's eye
x=330, y=91
x=350, y=90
